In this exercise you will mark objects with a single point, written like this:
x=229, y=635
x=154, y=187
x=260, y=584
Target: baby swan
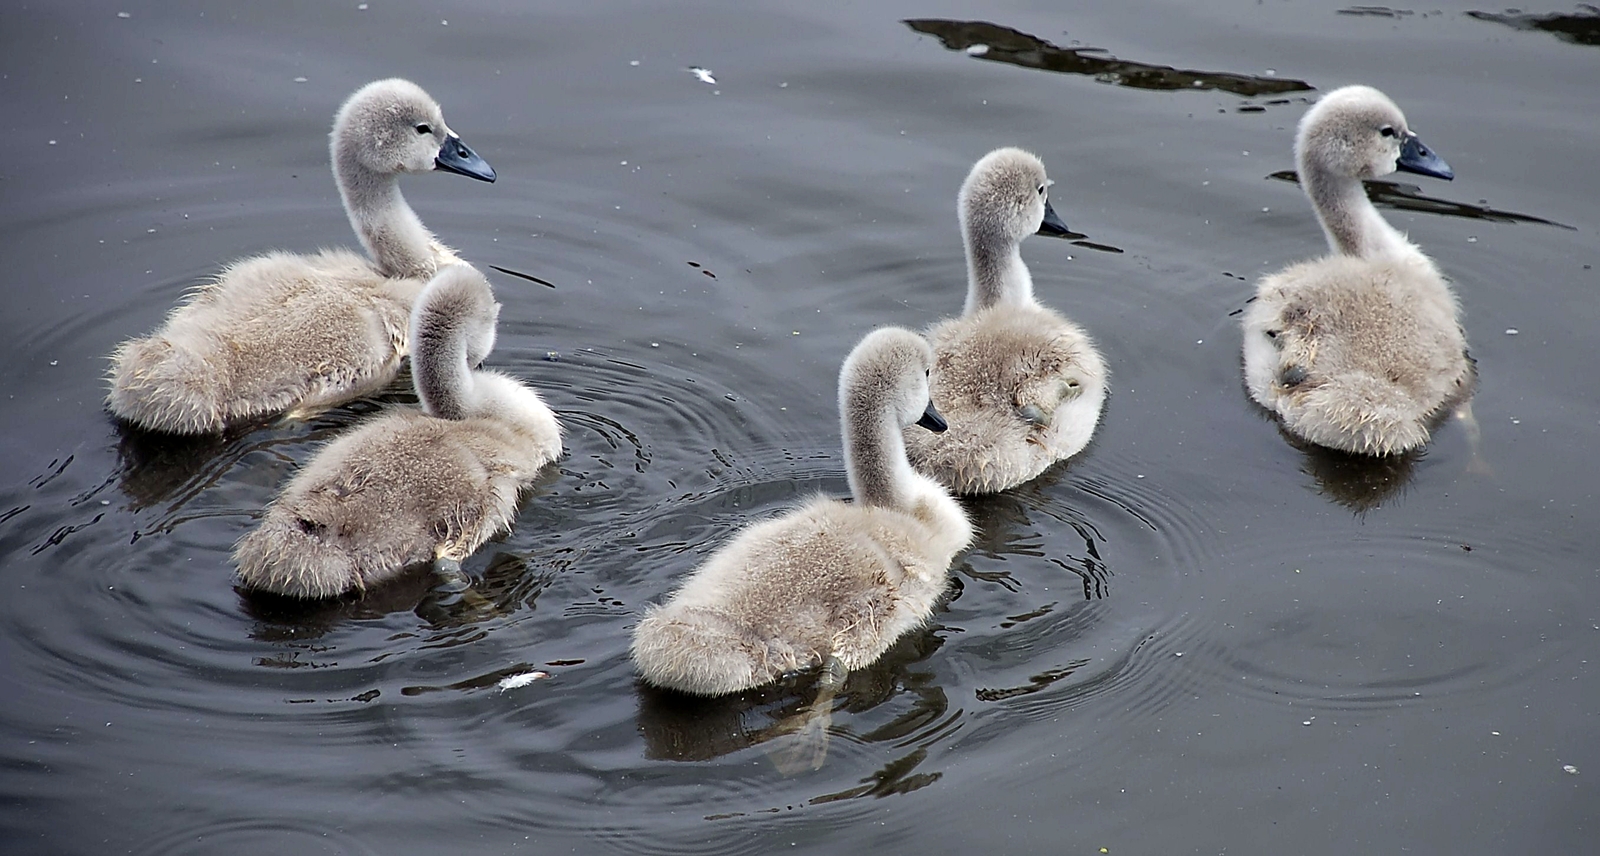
x=1021, y=385
x=831, y=582
x=1362, y=349
x=410, y=486
x=285, y=331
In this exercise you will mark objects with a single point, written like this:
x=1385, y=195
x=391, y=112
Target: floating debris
x=703, y=74
x=512, y=682
x=1569, y=770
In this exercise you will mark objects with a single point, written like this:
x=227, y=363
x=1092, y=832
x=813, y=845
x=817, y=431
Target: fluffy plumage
x=1361, y=350
x=1021, y=386
x=830, y=580
x=411, y=486
x=286, y=332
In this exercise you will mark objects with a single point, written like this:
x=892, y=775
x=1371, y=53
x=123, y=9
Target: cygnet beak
x=932, y=421
x=1418, y=158
x=1052, y=224
x=454, y=156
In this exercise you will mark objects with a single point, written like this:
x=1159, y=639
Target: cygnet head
x=1357, y=133
x=391, y=126
x=1007, y=196
x=452, y=331
x=888, y=372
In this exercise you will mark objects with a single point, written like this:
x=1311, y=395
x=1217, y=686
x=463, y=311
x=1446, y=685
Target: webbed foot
x=807, y=746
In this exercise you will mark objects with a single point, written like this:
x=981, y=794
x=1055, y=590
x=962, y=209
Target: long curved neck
x=1353, y=226
x=995, y=271
x=443, y=381
x=875, y=459
x=396, y=240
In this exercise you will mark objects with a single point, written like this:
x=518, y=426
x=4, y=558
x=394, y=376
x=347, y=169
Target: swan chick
x=1021, y=386
x=287, y=332
x=830, y=583
x=411, y=485
x=1361, y=350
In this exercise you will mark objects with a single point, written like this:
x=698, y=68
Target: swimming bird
x=830, y=583
x=411, y=485
x=283, y=332
x=1362, y=349
x=1021, y=386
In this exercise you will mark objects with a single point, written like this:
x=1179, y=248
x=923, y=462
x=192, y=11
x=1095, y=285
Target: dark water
x=1195, y=639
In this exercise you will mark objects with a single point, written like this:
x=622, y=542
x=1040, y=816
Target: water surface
x=1196, y=638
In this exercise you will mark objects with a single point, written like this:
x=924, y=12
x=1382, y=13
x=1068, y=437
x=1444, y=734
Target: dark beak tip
x=932, y=421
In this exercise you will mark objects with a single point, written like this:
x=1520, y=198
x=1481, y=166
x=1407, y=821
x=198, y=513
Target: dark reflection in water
x=1409, y=197
x=1376, y=12
x=506, y=585
x=1582, y=28
x=1002, y=44
x=1360, y=483
x=678, y=727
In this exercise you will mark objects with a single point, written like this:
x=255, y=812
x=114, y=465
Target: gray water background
x=1195, y=638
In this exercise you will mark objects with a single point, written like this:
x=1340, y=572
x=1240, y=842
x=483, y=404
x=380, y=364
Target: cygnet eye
x=424, y=128
x=1042, y=189
x=1386, y=130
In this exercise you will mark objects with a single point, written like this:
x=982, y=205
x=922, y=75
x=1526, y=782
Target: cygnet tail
x=697, y=652
x=160, y=386
x=290, y=556
x=1359, y=413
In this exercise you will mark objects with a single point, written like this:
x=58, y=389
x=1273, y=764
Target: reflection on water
x=1582, y=28
x=995, y=43
x=678, y=727
x=1409, y=197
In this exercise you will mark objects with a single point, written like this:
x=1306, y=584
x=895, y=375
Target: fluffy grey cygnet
x=1021, y=386
x=411, y=485
x=286, y=332
x=1361, y=350
x=830, y=583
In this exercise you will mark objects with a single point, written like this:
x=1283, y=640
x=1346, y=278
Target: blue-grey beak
x=932, y=421
x=1052, y=224
x=1418, y=158
x=454, y=156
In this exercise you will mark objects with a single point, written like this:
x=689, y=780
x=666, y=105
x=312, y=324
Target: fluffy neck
x=396, y=240
x=1353, y=226
x=875, y=460
x=443, y=381
x=995, y=271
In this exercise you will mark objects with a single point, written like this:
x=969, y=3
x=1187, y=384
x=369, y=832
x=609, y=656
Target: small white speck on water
x=1565, y=768
x=1472, y=239
x=444, y=23
x=361, y=7
x=150, y=231
x=784, y=85
x=124, y=15
x=105, y=502
x=1495, y=733
x=1515, y=421
x=52, y=142
x=1199, y=341
x=794, y=332
x=634, y=63
x=701, y=74
x=1177, y=653
x=1308, y=721
x=511, y=682
x=1245, y=153
x=1265, y=210
x=977, y=50
x=1512, y=331
x=1139, y=476
x=1272, y=72
x=299, y=80
x=655, y=344
x=53, y=362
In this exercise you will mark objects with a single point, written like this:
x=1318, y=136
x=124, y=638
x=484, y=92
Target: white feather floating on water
x=512, y=682
x=704, y=74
